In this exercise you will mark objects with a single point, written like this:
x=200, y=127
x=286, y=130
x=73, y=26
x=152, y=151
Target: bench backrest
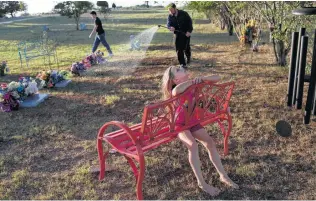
x=210, y=100
x=32, y=46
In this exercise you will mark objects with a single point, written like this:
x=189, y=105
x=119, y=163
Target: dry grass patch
x=47, y=150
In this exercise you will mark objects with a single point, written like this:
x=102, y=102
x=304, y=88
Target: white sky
x=41, y=6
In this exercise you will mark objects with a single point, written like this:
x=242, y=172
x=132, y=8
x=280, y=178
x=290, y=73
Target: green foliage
x=104, y=8
x=206, y=7
x=278, y=14
x=103, y=4
x=11, y=7
x=238, y=13
x=2, y=11
x=73, y=9
x=282, y=23
x=113, y=5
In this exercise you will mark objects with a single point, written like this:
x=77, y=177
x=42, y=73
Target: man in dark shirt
x=100, y=37
x=180, y=23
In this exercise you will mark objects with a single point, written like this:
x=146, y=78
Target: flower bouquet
x=95, y=58
x=92, y=59
x=16, y=92
x=77, y=68
x=99, y=57
x=48, y=79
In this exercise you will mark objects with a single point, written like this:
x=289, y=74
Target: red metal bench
x=158, y=126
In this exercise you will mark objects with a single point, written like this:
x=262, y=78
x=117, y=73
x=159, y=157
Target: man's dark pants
x=183, y=47
x=98, y=39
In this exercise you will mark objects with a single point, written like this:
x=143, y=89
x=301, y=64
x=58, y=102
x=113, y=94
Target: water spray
x=126, y=59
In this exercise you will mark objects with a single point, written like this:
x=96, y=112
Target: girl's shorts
x=193, y=128
x=196, y=128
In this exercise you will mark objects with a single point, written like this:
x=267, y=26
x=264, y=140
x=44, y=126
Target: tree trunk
x=230, y=27
x=281, y=53
x=270, y=37
x=77, y=23
x=223, y=24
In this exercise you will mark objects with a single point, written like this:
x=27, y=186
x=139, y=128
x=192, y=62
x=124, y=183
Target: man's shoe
x=184, y=66
x=188, y=61
x=111, y=55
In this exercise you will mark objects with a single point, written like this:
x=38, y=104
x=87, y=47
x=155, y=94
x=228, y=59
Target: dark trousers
x=98, y=39
x=183, y=47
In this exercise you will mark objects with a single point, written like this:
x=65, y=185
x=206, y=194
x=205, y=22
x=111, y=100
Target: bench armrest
x=119, y=124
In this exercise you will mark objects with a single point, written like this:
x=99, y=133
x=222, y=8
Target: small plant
x=3, y=68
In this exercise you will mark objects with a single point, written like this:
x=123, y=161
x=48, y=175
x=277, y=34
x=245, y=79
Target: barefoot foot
x=210, y=189
x=229, y=182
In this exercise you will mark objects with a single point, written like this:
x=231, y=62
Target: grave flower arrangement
x=48, y=79
x=16, y=92
x=99, y=57
x=77, y=68
x=93, y=59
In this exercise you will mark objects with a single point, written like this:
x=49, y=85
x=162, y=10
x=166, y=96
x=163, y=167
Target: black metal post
x=301, y=33
x=314, y=105
x=301, y=72
x=292, y=69
x=311, y=88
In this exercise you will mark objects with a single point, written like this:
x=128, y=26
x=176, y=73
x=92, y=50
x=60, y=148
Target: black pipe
x=311, y=88
x=302, y=33
x=292, y=69
x=314, y=105
x=301, y=72
x=168, y=28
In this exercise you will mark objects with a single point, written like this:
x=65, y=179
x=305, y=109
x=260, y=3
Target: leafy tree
x=113, y=5
x=282, y=23
x=104, y=4
x=23, y=6
x=73, y=9
x=205, y=7
x=278, y=14
x=146, y=3
x=104, y=8
x=12, y=7
x=213, y=9
x=238, y=14
x=2, y=11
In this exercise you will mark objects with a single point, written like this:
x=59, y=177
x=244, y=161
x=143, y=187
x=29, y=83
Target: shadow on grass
x=257, y=186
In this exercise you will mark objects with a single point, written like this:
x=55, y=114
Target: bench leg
x=139, y=186
x=133, y=166
x=102, y=159
x=226, y=132
x=141, y=172
x=229, y=120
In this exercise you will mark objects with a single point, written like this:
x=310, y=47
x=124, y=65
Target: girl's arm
x=180, y=88
x=183, y=86
x=213, y=78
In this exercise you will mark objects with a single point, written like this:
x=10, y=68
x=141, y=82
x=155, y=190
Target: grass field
x=46, y=152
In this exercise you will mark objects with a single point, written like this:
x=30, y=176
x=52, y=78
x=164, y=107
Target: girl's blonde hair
x=167, y=83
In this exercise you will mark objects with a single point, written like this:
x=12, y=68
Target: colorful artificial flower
x=48, y=79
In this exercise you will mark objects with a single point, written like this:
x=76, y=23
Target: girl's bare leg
x=190, y=142
x=210, y=145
